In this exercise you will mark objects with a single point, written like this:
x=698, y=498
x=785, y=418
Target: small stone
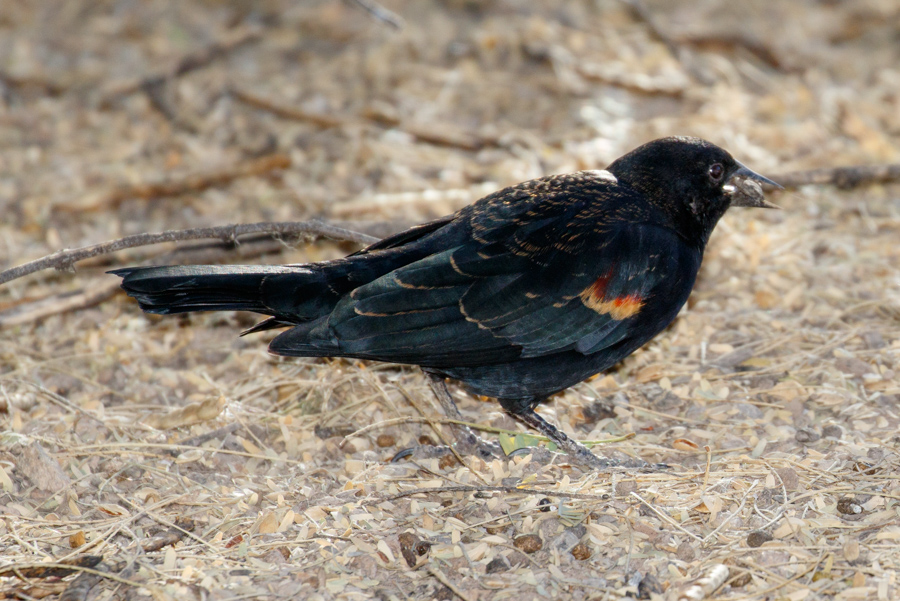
x=498, y=564
x=849, y=506
x=757, y=538
x=497, y=528
x=567, y=540
x=685, y=552
x=789, y=478
x=385, y=440
x=832, y=431
x=581, y=551
x=742, y=579
x=412, y=547
x=851, y=551
x=596, y=411
x=873, y=339
x=448, y=460
x=277, y=556
x=806, y=435
x=626, y=487
x=77, y=539
x=852, y=366
x=528, y=543
x=649, y=587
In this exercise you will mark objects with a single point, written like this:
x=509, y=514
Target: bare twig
x=33, y=82
x=641, y=13
x=285, y=112
x=183, y=185
x=380, y=13
x=65, y=259
x=436, y=134
x=504, y=489
x=91, y=295
x=842, y=177
x=190, y=62
x=50, y=570
x=439, y=576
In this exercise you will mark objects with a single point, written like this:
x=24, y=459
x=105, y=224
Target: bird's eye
x=716, y=172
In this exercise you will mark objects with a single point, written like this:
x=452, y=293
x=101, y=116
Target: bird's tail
x=186, y=288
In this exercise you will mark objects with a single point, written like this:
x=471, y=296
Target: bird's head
x=691, y=180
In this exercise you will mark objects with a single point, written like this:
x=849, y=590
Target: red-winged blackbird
x=524, y=293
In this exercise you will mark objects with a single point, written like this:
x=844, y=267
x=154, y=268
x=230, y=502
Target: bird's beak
x=746, y=191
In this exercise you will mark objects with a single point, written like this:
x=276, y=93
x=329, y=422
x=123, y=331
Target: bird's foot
x=467, y=442
x=576, y=451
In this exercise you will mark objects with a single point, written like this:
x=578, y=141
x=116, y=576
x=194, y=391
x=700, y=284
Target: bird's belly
x=535, y=378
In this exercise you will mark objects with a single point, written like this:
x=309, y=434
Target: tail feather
x=182, y=289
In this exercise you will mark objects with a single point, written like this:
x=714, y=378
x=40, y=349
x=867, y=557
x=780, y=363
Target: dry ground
x=773, y=397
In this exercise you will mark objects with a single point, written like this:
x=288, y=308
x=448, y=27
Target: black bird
x=524, y=293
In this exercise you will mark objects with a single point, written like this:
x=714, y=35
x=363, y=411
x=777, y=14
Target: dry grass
x=197, y=466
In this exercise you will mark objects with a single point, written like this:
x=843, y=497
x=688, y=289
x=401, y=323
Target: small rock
x=498, y=564
x=42, y=469
x=528, y=543
x=596, y=411
x=757, y=538
x=851, y=551
x=789, y=478
x=412, y=547
x=568, y=539
x=852, y=366
x=875, y=454
x=385, y=440
x=849, y=506
x=832, y=431
x=685, y=552
x=649, y=587
x=626, y=487
x=873, y=339
x=748, y=411
x=447, y=461
x=497, y=529
x=581, y=551
x=277, y=556
x=742, y=579
x=805, y=435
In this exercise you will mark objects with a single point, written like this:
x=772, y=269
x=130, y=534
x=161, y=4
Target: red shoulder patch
x=618, y=307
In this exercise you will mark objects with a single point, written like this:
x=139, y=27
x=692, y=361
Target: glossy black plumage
x=519, y=295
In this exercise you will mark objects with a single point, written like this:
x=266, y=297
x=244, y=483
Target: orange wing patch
x=619, y=307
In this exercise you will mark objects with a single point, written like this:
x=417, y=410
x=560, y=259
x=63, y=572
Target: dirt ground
x=170, y=459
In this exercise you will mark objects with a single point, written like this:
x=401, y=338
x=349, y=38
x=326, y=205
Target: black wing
x=565, y=274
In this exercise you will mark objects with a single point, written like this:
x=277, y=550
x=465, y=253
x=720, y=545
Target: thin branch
x=285, y=112
x=439, y=576
x=844, y=178
x=380, y=13
x=173, y=187
x=187, y=63
x=65, y=259
x=89, y=296
x=434, y=133
x=504, y=489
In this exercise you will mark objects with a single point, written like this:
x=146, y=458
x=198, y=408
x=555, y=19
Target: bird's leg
x=466, y=441
x=575, y=450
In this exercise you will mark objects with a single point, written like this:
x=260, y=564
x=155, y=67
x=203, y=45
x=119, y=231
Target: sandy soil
x=171, y=459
